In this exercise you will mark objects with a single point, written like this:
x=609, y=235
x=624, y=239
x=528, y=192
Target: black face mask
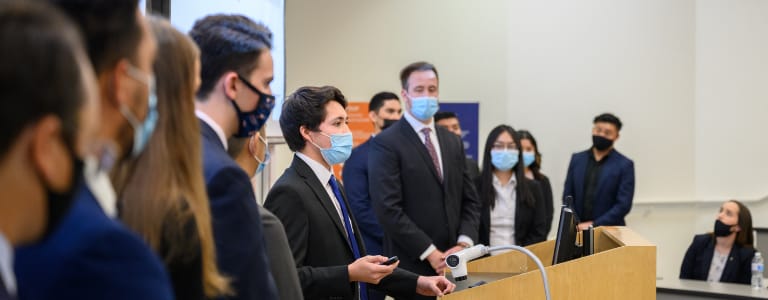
x=388, y=122
x=721, y=229
x=60, y=202
x=600, y=143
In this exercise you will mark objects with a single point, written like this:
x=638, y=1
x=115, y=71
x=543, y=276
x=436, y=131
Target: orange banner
x=360, y=125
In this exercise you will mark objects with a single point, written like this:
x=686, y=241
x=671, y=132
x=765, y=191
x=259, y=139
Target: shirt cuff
x=466, y=239
x=427, y=252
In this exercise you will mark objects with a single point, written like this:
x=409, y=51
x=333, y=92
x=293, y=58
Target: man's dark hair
x=417, y=66
x=442, y=115
x=110, y=28
x=40, y=47
x=228, y=43
x=306, y=107
x=378, y=100
x=608, y=118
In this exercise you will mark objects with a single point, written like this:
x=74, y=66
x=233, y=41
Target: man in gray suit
x=252, y=155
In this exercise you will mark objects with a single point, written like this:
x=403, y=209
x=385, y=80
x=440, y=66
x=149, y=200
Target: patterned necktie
x=348, y=226
x=432, y=152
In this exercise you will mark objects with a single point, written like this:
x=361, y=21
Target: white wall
x=687, y=77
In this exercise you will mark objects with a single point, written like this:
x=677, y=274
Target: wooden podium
x=623, y=267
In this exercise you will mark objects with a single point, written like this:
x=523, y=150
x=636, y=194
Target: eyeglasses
x=252, y=147
x=503, y=146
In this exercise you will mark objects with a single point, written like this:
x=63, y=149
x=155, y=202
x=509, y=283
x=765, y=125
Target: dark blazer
x=355, y=175
x=615, y=187
x=280, y=258
x=414, y=207
x=530, y=227
x=185, y=266
x=317, y=237
x=240, y=250
x=699, y=257
x=546, y=191
x=90, y=256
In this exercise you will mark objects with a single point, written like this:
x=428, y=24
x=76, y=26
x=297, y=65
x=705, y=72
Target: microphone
x=458, y=261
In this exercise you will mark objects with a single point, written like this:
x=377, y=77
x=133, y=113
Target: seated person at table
x=724, y=255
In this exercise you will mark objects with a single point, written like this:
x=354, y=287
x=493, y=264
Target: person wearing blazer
x=383, y=110
x=601, y=180
x=513, y=205
x=252, y=154
x=420, y=188
x=233, y=103
x=325, y=240
x=87, y=254
x=532, y=162
x=724, y=255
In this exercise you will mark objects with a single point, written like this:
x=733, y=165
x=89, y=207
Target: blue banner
x=469, y=119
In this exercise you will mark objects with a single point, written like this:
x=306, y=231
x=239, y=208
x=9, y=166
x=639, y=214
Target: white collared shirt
x=418, y=126
x=215, y=126
x=324, y=175
x=98, y=182
x=503, y=213
x=6, y=266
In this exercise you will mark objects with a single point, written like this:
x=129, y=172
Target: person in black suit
x=600, y=179
x=532, y=162
x=724, y=255
x=324, y=237
x=383, y=110
x=41, y=137
x=420, y=187
x=513, y=206
x=252, y=154
x=449, y=120
x=234, y=100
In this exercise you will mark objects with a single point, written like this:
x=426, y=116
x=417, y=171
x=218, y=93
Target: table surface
x=699, y=287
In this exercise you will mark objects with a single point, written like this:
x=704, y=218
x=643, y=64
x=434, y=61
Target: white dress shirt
x=215, y=126
x=97, y=179
x=6, y=266
x=503, y=214
x=418, y=126
x=324, y=175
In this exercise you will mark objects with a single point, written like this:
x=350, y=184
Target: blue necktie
x=348, y=226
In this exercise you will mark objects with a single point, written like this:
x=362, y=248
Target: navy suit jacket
x=90, y=256
x=414, y=207
x=240, y=250
x=615, y=187
x=318, y=238
x=356, y=185
x=698, y=258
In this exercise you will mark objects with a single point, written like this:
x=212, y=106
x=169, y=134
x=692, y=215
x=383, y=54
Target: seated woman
x=726, y=254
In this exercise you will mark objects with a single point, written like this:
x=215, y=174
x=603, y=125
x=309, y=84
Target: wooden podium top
x=623, y=267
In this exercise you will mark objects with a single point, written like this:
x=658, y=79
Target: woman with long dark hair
x=513, y=205
x=725, y=254
x=164, y=199
x=532, y=162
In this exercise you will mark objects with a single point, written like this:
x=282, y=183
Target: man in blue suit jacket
x=383, y=109
x=87, y=254
x=601, y=180
x=234, y=100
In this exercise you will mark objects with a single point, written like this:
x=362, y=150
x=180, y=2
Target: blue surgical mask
x=504, y=160
x=423, y=108
x=262, y=163
x=341, y=148
x=142, y=131
x=528, y=158
x=252, y=121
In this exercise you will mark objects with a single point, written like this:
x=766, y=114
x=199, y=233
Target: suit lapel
x=320, y=193
x=412, y=137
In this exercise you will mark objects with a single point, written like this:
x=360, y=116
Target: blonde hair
x=164, y=187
